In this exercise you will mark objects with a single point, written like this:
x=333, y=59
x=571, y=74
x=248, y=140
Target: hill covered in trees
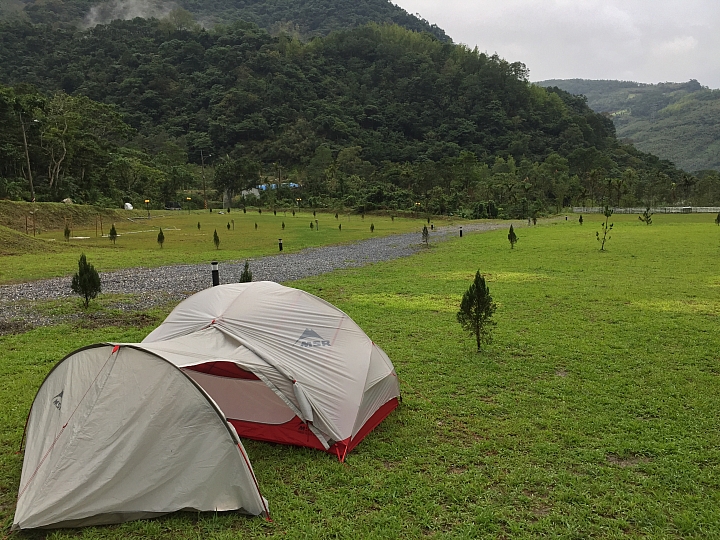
x=374, y=117
x=677, y=121
x=301, y=18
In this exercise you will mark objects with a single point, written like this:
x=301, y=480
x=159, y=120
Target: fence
x=658, y=210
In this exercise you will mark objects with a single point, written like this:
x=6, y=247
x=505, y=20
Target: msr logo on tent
x=57, y=400
x=310, y=338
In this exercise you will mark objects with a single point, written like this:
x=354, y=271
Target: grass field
x=49, y=255
x=595, y=413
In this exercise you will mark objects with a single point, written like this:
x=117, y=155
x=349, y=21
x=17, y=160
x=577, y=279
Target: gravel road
x=170, y=284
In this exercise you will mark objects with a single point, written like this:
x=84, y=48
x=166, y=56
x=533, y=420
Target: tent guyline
x=159, y=423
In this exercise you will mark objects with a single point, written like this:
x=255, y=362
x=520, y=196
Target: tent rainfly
x=118, y=433
x=283, y=365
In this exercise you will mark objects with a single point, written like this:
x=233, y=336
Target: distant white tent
x=117, y=433
x=284, y=365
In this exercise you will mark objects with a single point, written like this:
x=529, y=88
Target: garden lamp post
x=147, y=206
x=188, y=199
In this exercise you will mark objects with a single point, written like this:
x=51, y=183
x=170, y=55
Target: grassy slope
x=593, y=414
x=184, y=242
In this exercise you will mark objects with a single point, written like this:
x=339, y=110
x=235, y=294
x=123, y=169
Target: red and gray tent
x=283, y=365
x=127, y=431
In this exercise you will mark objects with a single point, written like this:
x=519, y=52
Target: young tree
x=161, y=238
x=580, y=219
x=312, y=225
x=605, y=228
x=112, y=234
x=228, y=226
x=476, y=311
x=256, y=225
x=512, y=237
x=246, y=275
x=336, y=215
x=66, y=233
x=372, y=227
x=216, y=240
x=198, y=225
x=717, y=220
x=339, y=226
x=283, y=225
x=646, y=217
x=86, y=282
x=425, y=235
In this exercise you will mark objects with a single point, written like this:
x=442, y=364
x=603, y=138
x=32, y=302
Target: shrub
x=161, y=238
x=216, y=239
x=246, y=275
x=86, y=282
x=476, y=311
x=113, y=234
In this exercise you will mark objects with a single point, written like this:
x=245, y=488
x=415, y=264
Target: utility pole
x=27, y=156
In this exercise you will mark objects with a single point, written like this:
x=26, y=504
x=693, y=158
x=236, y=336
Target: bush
x=476, y=311
x=86, y=282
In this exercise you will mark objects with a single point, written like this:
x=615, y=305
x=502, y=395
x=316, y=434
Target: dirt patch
x=561, y=373
x=14, y=327
x=624, y=462
x=122, y=320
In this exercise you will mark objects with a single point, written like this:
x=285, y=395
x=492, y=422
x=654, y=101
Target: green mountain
x=302, y=18
x=676, y=121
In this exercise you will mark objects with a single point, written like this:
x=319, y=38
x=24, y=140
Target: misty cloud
x=127, y=9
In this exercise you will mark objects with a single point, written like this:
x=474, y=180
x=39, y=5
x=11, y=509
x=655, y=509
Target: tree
x=646, y=217
x=198, y=225
x=216, y=240
x=339, y=226
x=372, y=227
x=161, y=238
x=717, y=220
x=228, y=226
x=425, y=235
x=66, y=233
x=113, y=234
x=580, y=220
x=86, y=282
x=246, y=275
x=312, y=225
x=605, y=228
x=512, y=237
x=476, y=311
x=283, y=225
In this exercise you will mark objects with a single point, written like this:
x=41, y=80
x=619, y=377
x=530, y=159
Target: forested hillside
x=677, y=121
x=302, y=18
x=375, y=117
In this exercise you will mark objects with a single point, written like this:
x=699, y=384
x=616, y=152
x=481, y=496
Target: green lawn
x=594, y=413
x=137, y=245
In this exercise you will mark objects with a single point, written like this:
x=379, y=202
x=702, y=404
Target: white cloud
x=644, y=40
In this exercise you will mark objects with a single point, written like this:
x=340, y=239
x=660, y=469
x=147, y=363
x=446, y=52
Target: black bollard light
x=460, y=232
x=215, y=273
x=280, y=243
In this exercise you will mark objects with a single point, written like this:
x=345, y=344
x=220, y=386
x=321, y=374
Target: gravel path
x=159, y=286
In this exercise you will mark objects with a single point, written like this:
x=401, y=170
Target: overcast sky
x=638, y=40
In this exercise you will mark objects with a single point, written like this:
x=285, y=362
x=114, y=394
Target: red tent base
x=297, y=433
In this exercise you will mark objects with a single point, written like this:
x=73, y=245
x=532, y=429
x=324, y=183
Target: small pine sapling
x=425, y=235
x=259, y=210
x=313, y=213
x=646, y=217
x=336, y=215
x=512, y=237
x=372, y=227
x=580, y=219
x=339, y=226
x=161, y=238
x=246, y=275
x=66, y=233
x=244, y=210
x=283, y=225
x=198, y=225
x=113, y=234
x=476, y=311
x=233, y=223
x=605, y=228
x=317, y=225
x=293, y=213
x=717, y=220
x=274, y=212
x=228, y=226
x=312, y=225
x=86, y=282
x=216, y=239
